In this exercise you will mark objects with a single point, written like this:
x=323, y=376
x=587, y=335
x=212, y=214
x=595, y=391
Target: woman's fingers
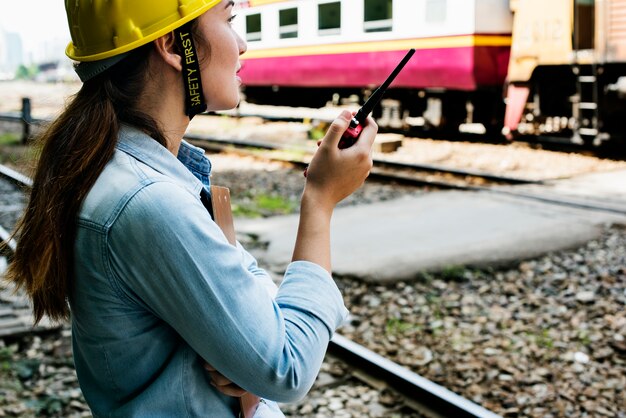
x=221, y=383
x=230, y=390
x=219, y=379
x=225, y=386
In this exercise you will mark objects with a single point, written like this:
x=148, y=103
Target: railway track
x=17, y=180
x=420, y=394
x=432, y=176
x=15, y=313
x=423, y=175
x=544, y=141
x=384, y=169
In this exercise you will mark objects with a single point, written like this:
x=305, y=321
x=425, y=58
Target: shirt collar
x=194, y=159
x=142, y=147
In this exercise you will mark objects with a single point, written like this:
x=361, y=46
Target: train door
x=584, y=25
x=587, y=106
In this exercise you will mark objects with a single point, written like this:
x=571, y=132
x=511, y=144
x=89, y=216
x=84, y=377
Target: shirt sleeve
x=263, y=276
x=171, y=258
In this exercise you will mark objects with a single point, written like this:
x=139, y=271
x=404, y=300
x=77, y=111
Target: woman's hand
x=334, y=173
x=222, y=384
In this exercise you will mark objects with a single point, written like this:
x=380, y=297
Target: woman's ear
x=165, y=47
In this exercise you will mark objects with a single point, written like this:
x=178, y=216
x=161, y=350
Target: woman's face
x=219, y=67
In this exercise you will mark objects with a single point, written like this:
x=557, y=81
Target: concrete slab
x=607, y=189
x=396, y=240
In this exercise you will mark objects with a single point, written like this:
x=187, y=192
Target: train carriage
x=304, y=52
x=567, y=71
x=525, y=68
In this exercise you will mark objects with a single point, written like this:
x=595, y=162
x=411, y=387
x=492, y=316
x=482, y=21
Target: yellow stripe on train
x=255, y=3
x=394, y=45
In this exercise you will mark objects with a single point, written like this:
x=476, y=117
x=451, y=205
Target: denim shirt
x=158, y=289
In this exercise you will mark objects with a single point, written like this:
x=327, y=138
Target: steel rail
x=429, y=397
x=223, y=143
x=458, y=172
x=274, y=118
x=379, y=172
x=14, y=177
x=7, y=239
x=376, y=173
x=7, y=242
x=220, y=142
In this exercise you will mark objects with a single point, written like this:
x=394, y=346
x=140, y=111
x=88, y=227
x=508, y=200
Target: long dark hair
x=76, y=148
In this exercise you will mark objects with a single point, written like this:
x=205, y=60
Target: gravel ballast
x=544, y=338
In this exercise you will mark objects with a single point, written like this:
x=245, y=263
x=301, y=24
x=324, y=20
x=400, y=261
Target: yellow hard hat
x=102, y=29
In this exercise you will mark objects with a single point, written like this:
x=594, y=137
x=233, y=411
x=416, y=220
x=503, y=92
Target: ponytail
x=76, y=148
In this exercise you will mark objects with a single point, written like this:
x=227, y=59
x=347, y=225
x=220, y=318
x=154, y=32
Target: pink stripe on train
x=464, y=68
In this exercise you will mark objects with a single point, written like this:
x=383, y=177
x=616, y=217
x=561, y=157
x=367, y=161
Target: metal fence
x=24, y=117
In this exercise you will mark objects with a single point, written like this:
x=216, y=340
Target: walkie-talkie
x=351, y=135
x=356, y=124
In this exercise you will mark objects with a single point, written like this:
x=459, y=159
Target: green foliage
x=9, y=138
x=584, y=338
x=318, y=130
x=544, y=340
x=274, y=203
x=46, y=405
x=541, y=339
x=27, y=368
x=6, y=353
x=245, y=211
x=13, y=153
x=26, y=73
x=398, y=326
x=263, y=205
x=453, y=273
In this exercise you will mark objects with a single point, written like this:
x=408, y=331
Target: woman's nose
x=243, y=45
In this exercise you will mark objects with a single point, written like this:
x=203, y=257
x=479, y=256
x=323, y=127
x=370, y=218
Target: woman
x=168, y=319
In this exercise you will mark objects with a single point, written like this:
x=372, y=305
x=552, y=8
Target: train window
x=436, y=11
x=288, y=21
x=378, y=15
x=253, y=27
x=329, y=18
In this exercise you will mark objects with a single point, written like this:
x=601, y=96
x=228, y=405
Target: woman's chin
x=226, y=104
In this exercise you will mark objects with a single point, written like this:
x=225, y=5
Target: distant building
x=11, y=54
x=56, y=71
x=49, y=50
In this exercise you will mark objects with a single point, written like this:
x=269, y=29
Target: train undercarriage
x=582, y=105
x=437, y=111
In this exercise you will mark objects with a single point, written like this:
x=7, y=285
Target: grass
x=18, y=156
x=398, y=326
x=263, y=205
x=583, y=337
x=541, y=338
x=10, y=138
x=453, y=273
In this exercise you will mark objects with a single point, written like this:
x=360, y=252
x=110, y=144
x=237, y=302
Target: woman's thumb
x=337, y=128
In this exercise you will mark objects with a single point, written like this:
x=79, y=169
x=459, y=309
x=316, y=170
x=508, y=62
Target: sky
x=37, y=21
